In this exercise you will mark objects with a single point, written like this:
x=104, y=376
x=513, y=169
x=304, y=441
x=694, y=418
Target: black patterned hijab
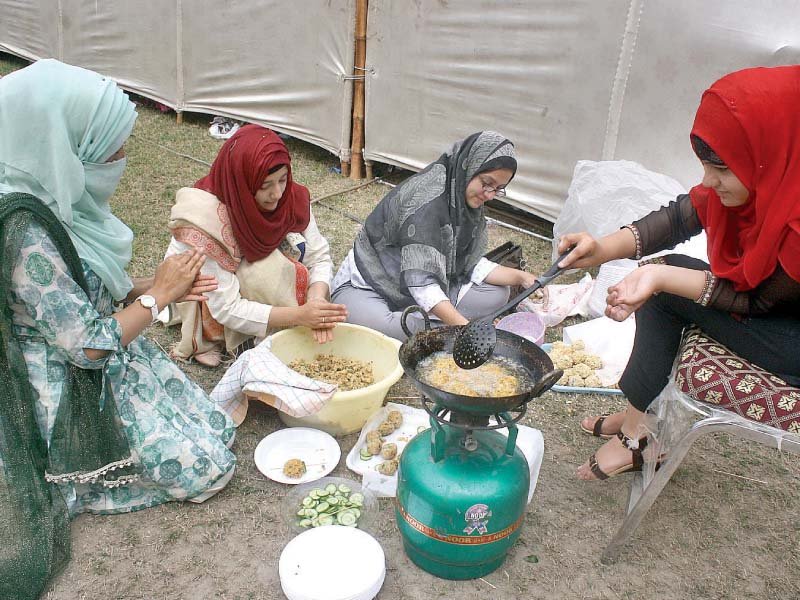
x=423, y=231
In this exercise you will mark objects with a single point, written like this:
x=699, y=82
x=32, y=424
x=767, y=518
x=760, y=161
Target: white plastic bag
x=605, y=195
x=611, y=273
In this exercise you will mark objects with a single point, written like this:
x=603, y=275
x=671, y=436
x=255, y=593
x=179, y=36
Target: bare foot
x=610, y=457
x=210, y=358
x=612, y=424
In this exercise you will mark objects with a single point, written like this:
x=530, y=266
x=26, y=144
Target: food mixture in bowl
x=496, y=378
x=347, y=373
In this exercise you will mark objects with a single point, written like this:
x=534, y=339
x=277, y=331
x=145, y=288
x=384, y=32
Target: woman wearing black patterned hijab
x=424, y=243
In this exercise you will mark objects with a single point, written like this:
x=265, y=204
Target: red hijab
x=751, y=119
x=241, y=166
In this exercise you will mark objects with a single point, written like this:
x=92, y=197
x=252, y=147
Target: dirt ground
x=726, y=526
x=712, y=534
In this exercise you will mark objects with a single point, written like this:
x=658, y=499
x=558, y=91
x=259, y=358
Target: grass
x=710, y=535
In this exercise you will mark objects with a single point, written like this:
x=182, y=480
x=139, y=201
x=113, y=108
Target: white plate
x=316, y=448
x=332, y=562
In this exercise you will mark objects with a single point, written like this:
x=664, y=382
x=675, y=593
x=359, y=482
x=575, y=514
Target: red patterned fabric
x=213, y=249
x=709, y=372
x=302, y=276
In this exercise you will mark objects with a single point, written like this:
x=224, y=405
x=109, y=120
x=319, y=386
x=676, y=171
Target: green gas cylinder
x=461, y=499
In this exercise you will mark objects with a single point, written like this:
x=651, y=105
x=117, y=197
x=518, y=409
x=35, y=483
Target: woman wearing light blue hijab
x=93, y=417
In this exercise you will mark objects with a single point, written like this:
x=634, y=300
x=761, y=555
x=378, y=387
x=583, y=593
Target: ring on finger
x=323, y=320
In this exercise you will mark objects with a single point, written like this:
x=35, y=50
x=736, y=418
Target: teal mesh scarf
x=87, y=444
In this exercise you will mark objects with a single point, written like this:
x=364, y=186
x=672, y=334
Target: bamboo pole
x=179, y=117
x=359, y=74
x=345, y=162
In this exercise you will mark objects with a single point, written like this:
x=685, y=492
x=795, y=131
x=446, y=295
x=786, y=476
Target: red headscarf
x=751, y=119
x=238, y=171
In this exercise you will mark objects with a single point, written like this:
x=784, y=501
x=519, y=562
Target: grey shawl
x=423, y=231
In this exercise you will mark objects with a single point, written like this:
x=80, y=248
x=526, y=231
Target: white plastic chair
x=681, y=420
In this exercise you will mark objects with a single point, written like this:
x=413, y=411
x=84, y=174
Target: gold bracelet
x=708, y=287
x=637, y=238
x=656, y=260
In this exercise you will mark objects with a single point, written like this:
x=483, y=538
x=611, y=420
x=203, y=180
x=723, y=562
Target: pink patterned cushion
x=709, y=372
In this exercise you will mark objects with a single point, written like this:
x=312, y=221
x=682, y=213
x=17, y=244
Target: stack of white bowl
x=332, y=563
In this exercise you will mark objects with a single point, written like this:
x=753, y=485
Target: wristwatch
x=148, y=301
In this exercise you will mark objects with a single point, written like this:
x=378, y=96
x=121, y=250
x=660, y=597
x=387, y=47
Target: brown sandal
x=596, y=429
x=635, y=447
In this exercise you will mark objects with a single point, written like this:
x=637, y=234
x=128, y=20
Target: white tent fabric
x=682, y=47
x=30, y=29
x=566, y=80
x=134, y=43
x=258, y=60
x=278, y=63
x=541, y=73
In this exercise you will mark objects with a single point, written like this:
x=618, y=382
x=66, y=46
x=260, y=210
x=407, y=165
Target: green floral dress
x=177, y=438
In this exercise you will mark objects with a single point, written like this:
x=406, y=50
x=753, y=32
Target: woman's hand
x=321, y=316
x=141, y=285
x=200, y=285
x=448, y=314
x=525, y=279
x=175, y=276
x=322, y=336
x=590, y=252
x=586, y=253
x=501, y=275
x=632, y=292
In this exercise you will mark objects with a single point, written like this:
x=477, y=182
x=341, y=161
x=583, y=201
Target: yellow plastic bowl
x=346, y=412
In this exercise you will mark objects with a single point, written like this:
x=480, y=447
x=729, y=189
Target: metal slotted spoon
x=476, y=341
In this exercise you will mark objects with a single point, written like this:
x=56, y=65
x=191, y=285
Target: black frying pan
x=424, y=343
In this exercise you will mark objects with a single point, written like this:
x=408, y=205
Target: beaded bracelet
x=638, y=239
x=708, y=287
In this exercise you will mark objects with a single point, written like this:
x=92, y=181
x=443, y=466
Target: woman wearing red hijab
x=745, y=134
x=255, y=226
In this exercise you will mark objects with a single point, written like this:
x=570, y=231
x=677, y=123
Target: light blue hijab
x=58, y=126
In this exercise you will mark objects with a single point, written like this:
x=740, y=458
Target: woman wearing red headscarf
x=745, y=134
x=255, y=226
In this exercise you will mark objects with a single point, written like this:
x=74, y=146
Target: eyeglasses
x=499, y=192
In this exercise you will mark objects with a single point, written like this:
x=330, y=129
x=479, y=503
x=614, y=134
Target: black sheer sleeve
x=667, y=227
x=677, y=222
x=778, y=294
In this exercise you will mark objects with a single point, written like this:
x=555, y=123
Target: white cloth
x=226, y=304
x=610, y=273
x=426, y=296
x=529, y=441
x=611, y=340
x=559, y=301
x=259, y=374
